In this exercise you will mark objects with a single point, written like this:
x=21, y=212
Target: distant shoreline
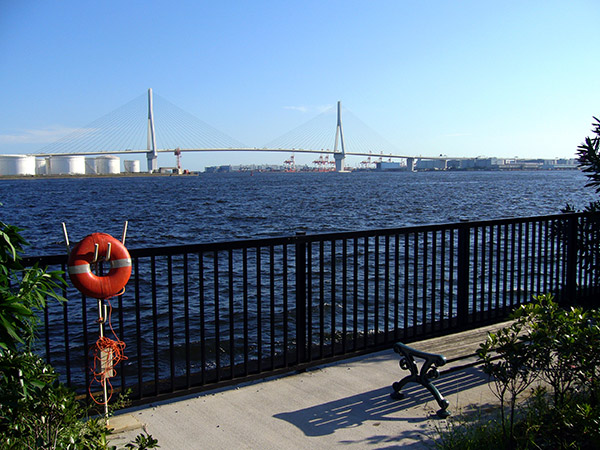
x=195, y=173
x=107, y=175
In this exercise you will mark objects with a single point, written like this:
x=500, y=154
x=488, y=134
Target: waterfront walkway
x=346, y=405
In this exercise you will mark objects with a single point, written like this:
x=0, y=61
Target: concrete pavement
x=346, y=404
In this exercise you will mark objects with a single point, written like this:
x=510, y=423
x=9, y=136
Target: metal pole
x=124, y=232
x=66, y=235
x=101, y=320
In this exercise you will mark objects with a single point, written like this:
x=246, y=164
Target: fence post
x=300, y=297
x=463, y=269
x=571, y=263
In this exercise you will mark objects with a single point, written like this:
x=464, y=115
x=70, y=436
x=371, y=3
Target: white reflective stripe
x=86, y=268
x=83, y=268
x=117, y=263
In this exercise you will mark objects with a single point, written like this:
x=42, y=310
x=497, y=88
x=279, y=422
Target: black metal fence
x=199, y=316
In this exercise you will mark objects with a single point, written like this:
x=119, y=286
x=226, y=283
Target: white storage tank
x=131, y=166
x=41, y=164
x=17, y=165
x=108, y=165
x=67, y=165
x=90, y=166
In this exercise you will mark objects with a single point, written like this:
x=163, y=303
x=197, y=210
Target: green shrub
x=557, y=347
x=39, y=412
x=509, y=361
x=564, y=346
x=22, y=291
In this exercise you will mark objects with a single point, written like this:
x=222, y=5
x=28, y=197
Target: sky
x=459, y=78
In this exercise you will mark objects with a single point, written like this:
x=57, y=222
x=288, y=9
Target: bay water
x=173, y=210
x=176, y=210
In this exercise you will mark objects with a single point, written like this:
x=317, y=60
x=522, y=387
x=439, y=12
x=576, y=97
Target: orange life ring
x=82, y=256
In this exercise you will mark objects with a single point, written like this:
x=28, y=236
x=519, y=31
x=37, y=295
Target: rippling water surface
x=178, y=210
x=215, y=207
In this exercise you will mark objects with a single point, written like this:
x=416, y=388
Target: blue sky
x=461, y=78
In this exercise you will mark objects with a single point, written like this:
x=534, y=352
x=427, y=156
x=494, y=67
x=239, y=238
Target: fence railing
x=199, y=316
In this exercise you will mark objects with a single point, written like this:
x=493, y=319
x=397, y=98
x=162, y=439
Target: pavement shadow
x=377, y=405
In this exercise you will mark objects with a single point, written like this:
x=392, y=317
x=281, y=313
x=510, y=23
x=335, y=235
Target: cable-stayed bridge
x=150, y=125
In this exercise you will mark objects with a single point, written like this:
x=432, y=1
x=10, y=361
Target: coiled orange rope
x=107, y=353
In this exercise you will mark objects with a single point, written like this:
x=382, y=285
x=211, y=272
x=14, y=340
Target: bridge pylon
x=339, y=133
x=151, y=155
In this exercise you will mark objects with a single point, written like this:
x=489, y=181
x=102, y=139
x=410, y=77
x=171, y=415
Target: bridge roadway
x=252, y=149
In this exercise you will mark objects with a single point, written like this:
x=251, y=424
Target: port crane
x=290, y=164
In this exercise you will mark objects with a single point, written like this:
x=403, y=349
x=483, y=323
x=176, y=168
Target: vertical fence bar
x=539, y=259
x=505, y=270
x=285, y=307
x=396, y=285
x=386, y=290
x=231, y=316
x=443, y=278
x=245, y=309
x=202, y=311
x=547, y=282
x=344, y=294
x=66, y=341
x=475, y=254
x=171, y=323
x=333, y=297
x=433, y=279
x=415, y=290
x=272, y=303
x=451, y=279
x=186, y=318
x=321, y=298
x=217, y=314
x=464, y=239
x=138, y=329
x=526, y=260
x=300, y=298
x=406, y=283
x=491, y=270
x=154, y=323
x=366, y=294
x=47, y=328
x=532, y=258
x=355, y=273
x=482, y=305
x=259, y=341
x=520, y=264
x=498, y=262
x=571, y=263
x=582, y=259
x=86, y=341
x=553, y=258
x=309, y=301
x=376, y=291
x=512, y=264
x=585, y=261
x=425, y=274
